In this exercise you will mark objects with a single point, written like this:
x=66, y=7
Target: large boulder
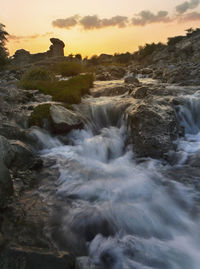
x=55, y=118
x=15, y=154
x=152, y=129
x=64, y=120
x=18, y=258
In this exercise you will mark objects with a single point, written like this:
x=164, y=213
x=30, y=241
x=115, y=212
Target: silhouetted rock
x=57, y=49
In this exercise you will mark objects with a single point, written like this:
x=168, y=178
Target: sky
x=95, y=26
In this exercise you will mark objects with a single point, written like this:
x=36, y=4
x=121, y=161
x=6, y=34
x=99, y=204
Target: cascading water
x=121, y=213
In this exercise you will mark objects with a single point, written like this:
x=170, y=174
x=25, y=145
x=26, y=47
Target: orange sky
x=31, y=22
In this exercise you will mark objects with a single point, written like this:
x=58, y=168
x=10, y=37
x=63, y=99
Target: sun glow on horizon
x=33, y=34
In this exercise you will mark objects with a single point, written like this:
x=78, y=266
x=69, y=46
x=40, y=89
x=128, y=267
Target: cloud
x=66, y=23
x=147, y=17
x=91, y=22
x=182, y=8
x=94, y=22
x=28, y=37
x=193, y=16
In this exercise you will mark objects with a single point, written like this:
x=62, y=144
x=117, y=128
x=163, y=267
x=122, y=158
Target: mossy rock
x=57, y=119
x=41, y=116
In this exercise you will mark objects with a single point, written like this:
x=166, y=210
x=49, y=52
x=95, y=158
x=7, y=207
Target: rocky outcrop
x=22, y=56
x=57, y=48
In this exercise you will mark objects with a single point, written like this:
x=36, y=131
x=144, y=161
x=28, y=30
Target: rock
x=7, y=153
x=22, y=56
x=18, y=258
x=153, y=129
x=23, y=155
x=103, y=76
x=140, y=93
x=11, y=131
x=131, y=80
x=6, y=185
x=111, y=91
x=57, y=49
x=15, y=154
x=64, y=120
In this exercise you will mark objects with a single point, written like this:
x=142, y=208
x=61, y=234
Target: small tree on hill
x=3, y=50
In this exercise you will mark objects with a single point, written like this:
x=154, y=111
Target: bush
x=38, y=74
x=68, y=69
x=68, y=91
x=148, y=49
x=3, y=50
x=172, y=41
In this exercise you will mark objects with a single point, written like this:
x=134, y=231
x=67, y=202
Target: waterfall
x=121, y=213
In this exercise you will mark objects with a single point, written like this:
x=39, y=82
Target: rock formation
x=55, y=50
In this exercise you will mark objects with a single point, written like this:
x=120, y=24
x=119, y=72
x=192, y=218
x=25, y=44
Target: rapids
x=120, y=212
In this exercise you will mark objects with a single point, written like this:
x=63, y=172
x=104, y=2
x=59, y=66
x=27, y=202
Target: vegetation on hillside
x=3, y=50
x=68, y=91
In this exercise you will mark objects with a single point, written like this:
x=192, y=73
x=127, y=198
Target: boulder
x=152, y=129
x=131, y=80
x=23, y=155
x=55, y=118
x=64, y=120
x=6, y=185
x=140, y=93
x=18, y=258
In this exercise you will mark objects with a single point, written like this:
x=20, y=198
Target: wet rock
x=6, y=185
x=111, y=91
x=18, y=258
x=23, y=155
x=7, y=153
x=64, y=120
x=140, y=93
x=11, y=131
x=103, y=76
x=153, y=129
x=131, y=80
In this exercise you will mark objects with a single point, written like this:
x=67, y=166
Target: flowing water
x=122, y=213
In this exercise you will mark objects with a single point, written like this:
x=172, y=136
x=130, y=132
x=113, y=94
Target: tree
x=3, y=50
x=78, y=57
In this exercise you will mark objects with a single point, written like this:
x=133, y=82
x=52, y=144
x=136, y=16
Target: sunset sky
x=95, y=26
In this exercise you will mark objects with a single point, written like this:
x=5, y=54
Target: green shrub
x=38, y=73
x=68, y=91
x=68, y=69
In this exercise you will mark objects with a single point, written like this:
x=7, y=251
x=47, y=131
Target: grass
x=69, y=91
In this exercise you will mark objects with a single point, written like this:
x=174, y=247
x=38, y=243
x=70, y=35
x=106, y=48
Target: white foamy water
x=124, y=214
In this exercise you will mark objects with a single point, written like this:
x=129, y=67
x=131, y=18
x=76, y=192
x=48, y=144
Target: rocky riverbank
x=28, y=229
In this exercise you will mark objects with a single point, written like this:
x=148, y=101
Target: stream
x=118, y=211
